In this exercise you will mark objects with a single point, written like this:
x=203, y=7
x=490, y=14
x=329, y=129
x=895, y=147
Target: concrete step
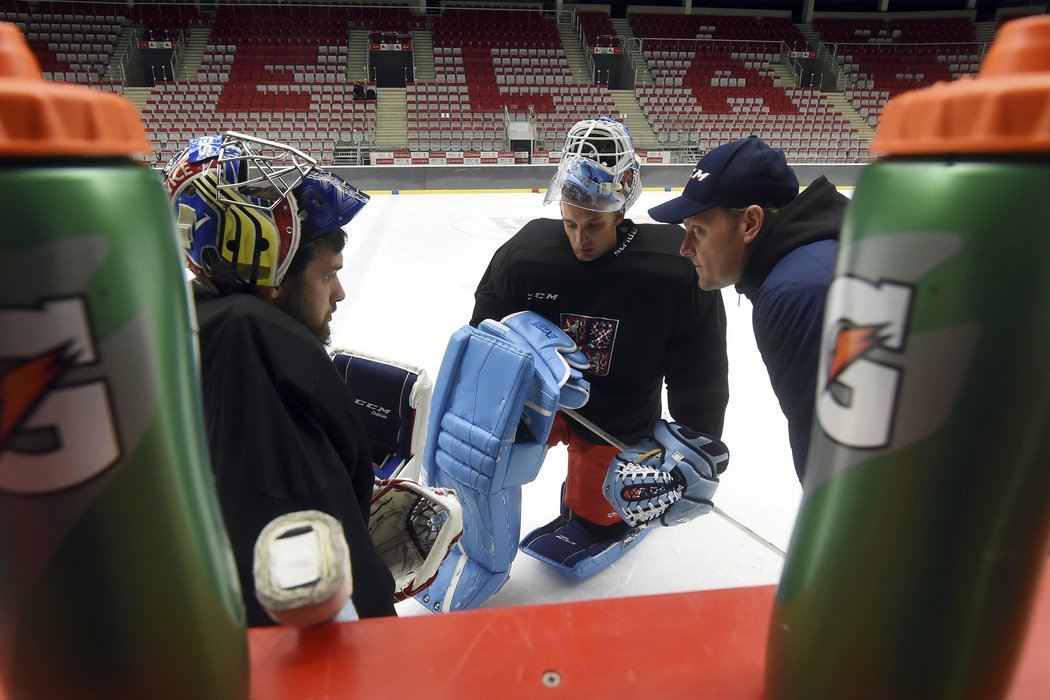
x=423, y=56
x=574, y=54
x=632, y=115
x=357, y=55
x=197, y=37
x=391, y=118
x=128, y=39
x=850, y=114
x=138, y=96
x=625, y=33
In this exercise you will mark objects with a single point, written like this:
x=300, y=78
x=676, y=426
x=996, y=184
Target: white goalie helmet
x=599, y=170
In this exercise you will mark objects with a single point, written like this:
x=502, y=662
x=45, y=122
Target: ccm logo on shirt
x=541, y=296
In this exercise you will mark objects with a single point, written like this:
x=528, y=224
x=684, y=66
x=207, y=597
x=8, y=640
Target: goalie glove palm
x=667, y=479
x=414, y=527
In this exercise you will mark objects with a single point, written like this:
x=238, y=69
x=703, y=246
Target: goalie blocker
x=394, y=398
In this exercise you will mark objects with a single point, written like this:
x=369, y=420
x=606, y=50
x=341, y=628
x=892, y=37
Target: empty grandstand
x=479, y=82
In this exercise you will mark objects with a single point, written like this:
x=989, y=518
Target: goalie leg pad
x=579, y=551
x=477, y=402
x=479, y=566
x=461, y=584
x=479, y=399
x=557, y=379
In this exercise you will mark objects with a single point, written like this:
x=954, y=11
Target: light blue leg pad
x=474, y=415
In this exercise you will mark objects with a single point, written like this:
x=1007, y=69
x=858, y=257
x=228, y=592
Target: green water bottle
x=116, y=577
x=917, y=552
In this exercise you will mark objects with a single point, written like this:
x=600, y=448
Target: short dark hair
x=335, y=239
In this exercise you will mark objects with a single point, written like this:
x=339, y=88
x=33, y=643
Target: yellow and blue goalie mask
x=244, y=205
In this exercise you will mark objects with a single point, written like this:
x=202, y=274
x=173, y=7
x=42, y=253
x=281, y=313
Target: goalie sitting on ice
x=623, y=315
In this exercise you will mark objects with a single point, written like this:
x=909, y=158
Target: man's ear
x=269, y=293
x=753, y=219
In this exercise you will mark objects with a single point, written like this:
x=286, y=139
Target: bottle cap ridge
x=43, y=118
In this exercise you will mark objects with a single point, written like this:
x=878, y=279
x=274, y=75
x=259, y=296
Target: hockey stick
x=718, y=511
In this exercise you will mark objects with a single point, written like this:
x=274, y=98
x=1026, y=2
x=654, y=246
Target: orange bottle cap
x=1005, y=109
x=41, y=118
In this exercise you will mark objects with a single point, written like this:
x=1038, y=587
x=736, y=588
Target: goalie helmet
x=244, y=206
x=598, y=169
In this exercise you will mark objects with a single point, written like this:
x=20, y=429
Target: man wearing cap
x=747, y=224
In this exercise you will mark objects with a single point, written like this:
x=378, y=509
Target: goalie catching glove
x=414, y=527
x=667, y=479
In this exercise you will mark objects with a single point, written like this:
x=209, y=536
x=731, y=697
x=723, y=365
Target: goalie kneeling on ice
x=666, y=479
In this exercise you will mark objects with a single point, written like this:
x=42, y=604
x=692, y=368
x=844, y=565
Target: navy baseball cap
x=734, y=175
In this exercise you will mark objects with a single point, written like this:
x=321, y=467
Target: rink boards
x=704, y=644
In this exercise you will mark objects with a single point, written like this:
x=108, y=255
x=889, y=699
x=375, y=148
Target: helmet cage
x=245, y=204
x=603, y=140
x=267, y=169
x=599, y=170
x=236, y=229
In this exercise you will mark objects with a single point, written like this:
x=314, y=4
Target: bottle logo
x=895, y=353
x=858, y=390
x=56, y=426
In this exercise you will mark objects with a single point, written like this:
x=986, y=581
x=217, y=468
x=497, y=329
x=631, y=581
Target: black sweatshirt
x=284, y=435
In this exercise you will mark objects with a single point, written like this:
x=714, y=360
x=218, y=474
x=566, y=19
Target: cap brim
x=679, y=208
